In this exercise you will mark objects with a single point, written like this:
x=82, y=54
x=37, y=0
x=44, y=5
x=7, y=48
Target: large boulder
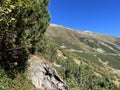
x=44, y=76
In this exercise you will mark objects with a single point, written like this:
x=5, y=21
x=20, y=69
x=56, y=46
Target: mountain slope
x=97, y=51
x=104, y=46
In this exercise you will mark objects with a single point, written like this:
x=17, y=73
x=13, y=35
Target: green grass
x=60, y=41
x=20, y=82
x=87, y=42
x=116, y=49
x=90, y=57
x=114, y=61
x=106, y=48
x=95, y=44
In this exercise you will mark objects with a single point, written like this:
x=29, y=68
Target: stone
x=44, y=77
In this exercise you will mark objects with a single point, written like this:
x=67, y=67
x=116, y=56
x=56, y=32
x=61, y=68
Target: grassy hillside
x=87, y=44
x=91, y=55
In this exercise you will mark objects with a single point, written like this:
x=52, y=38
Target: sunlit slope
x=88, y=45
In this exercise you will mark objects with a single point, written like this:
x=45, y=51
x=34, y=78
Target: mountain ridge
x=83, y=31
x=101, y=37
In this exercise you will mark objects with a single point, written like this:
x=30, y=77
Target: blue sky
x=100, y=16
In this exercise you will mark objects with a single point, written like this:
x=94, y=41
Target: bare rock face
x=43, y=76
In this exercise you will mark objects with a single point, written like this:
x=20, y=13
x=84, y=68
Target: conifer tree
x=22, y=26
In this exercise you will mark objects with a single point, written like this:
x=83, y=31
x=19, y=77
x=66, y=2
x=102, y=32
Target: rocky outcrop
x=43, y=76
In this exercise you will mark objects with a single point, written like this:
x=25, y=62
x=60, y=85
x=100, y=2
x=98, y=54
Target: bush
x=22, y=26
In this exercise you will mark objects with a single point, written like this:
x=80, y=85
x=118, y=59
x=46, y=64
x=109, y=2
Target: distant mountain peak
x=87, y=31
x=56, y=25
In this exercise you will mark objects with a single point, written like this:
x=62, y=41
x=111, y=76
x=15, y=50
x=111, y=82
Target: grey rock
x=44, y=77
